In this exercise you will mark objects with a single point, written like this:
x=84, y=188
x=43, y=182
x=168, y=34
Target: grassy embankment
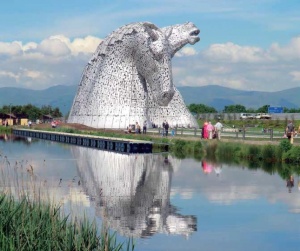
x=281, y=151
x=4, y=129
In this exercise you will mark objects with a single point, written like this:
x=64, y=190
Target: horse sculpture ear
x=168, y=32
x=156, y=45
x=151, y=30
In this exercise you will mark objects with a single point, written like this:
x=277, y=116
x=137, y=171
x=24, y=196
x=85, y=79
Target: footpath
x=257, y=141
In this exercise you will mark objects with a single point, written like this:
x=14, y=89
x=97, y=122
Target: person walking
x=210, y=129
x=290, y=130
x=218, y=127
x=166, y=128
x=163, y=128
x=145, y=127
x=137, y=128
x=204, y=130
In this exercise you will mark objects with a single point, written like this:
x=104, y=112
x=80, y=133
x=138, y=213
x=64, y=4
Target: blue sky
x=248, y=45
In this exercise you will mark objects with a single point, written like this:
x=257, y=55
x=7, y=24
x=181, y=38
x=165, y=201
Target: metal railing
x=227, y=132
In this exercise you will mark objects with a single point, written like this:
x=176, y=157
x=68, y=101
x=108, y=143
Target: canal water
x=163, y=202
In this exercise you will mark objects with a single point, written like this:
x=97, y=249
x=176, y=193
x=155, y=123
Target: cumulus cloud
x=53, y=47
x=85, y=45
x=234, y=53
x=60, y=60
x=8, y=74
x=241, y=67
x=14, y=48
x=55, y=60
x=288, y=52
x=186, y=51
x=61, y=45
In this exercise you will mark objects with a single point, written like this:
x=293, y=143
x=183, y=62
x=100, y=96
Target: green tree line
x=201, y=108
x=30, y=111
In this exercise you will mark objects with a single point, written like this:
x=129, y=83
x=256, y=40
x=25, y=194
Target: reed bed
x=32, y=219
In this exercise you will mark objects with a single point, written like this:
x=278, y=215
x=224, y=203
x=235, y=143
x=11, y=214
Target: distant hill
x=218, y=97
x=57, y=96
x=211, y=95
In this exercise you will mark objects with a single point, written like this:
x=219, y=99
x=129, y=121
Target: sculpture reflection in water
x=132, y=192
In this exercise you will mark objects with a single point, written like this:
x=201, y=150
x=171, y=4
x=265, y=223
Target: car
x=246, y=116
x=263, y=116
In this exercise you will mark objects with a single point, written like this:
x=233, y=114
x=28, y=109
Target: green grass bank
x=34, y=226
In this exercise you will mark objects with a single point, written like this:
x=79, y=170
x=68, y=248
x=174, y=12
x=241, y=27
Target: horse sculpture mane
x=129, y=78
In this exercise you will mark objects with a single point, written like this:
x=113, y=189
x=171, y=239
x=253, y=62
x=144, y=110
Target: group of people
x=210, y=131
x=137, y=128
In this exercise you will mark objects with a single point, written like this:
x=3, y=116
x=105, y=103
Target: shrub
x=211, y=149
x=285, y=145
x=269, y=153
x=179, y=145
x=292, y=155
x=228, y=150
x=253, y=152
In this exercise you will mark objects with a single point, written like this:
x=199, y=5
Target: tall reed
x=31, y=220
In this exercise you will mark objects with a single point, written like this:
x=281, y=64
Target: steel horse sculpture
x=129, y=78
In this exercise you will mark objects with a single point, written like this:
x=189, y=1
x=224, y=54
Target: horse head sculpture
x=153, y=62
x=181, y=35
x=129, y=73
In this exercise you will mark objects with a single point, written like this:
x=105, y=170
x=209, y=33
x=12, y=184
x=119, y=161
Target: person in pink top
x=205, y=132
x=210, y=129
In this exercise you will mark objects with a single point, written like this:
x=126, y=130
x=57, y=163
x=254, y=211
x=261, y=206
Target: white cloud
x=241, y=67
x=288, y=52
x=186, y=51
x=32, y=74
x=53, y=46
x=8, y=74
x=231, y=52
x=12, y=49
x=60, y=45
x=60, y=60
x=55, y=60
x=85, y=45
x=29, y=46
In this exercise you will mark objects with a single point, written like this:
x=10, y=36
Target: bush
x=285, y=145
x=253, y=152
x=293, y=155
x=269, y=153
x=183, y=148
x=179, y=145
x=228, y=150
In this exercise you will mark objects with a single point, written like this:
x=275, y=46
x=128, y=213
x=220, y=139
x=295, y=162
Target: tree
x=234, y=108
x=30, y=111
x=292, y=110
x=56, y=113
x=251, y=110
x=263, y=109
x=201, y=108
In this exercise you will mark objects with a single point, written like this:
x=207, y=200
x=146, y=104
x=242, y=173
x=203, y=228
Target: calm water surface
x=163, y=202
